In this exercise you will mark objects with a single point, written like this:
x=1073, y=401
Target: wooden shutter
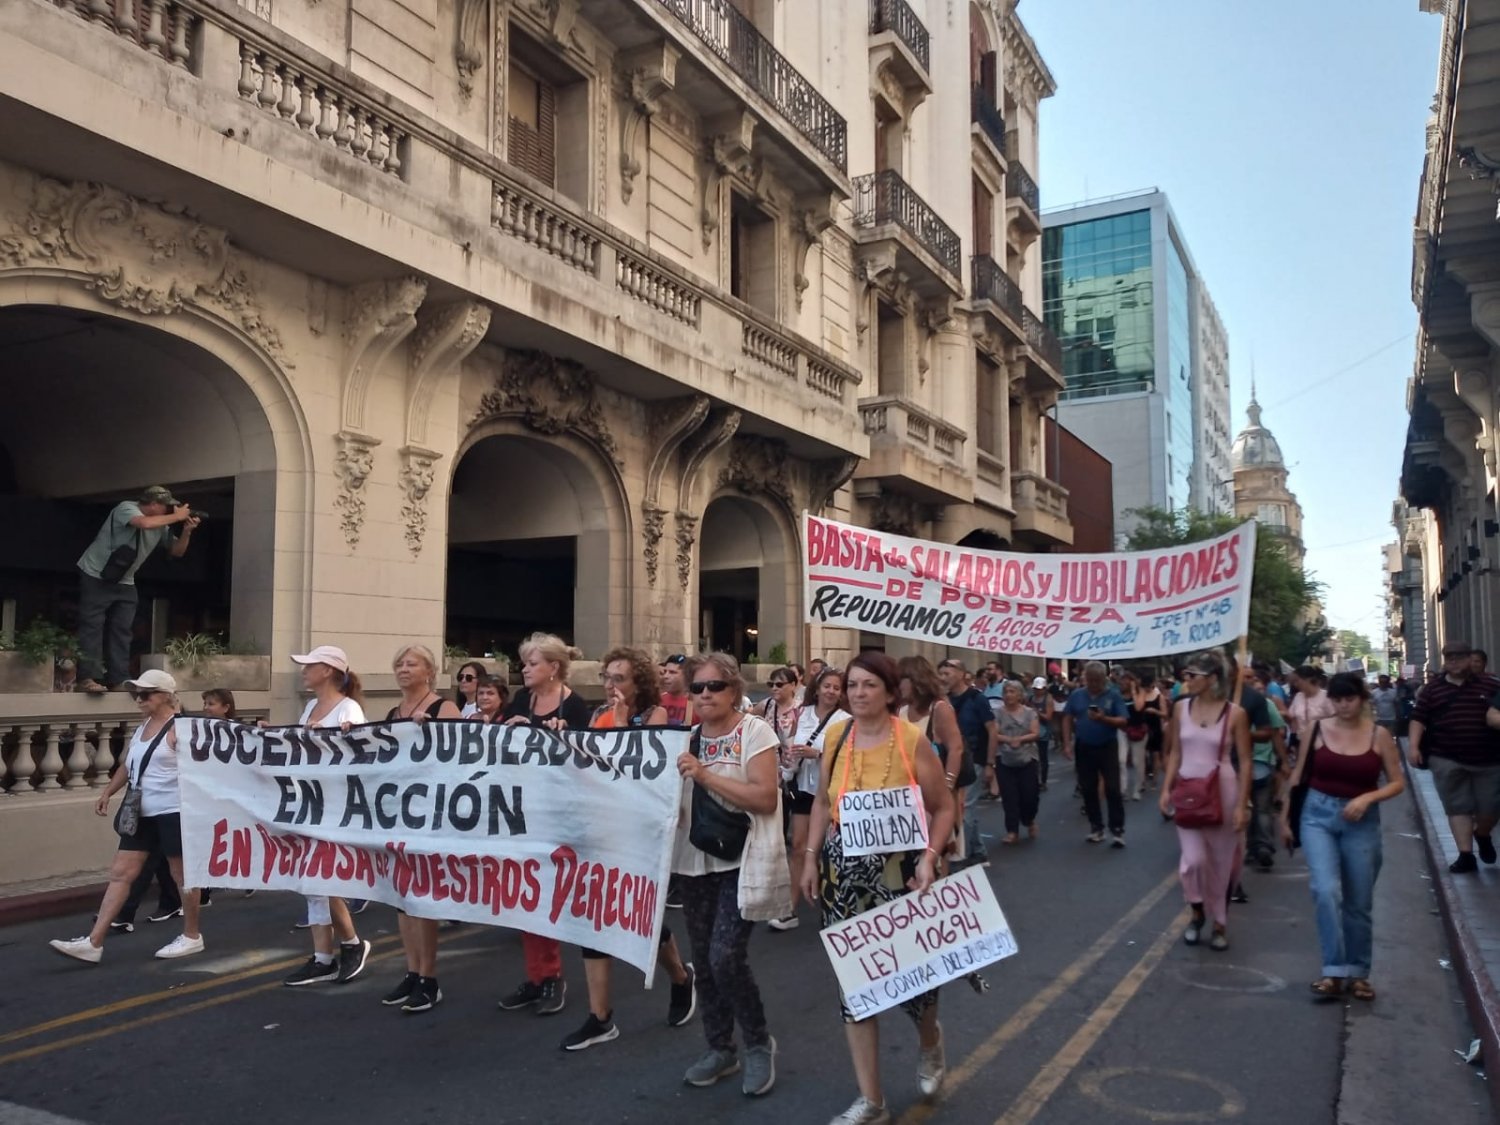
x=984, y=218
x=531, y=141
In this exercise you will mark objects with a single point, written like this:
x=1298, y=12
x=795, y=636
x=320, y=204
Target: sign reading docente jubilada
x=1130, y=604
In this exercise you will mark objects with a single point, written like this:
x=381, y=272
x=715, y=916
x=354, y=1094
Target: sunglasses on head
x=704, y=686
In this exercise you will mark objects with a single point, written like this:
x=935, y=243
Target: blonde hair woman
x=545, y=700
x=416, y=673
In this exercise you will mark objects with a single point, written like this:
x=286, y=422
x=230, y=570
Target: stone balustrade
x=890, y=414
x=1039, y=493
x=775, y=353
x=163, y=27
x=640, y=279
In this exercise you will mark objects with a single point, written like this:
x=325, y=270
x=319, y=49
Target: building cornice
x=1026, y=72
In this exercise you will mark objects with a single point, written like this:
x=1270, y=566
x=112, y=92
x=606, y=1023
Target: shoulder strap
x=823, y=722
x=151, y=749
x=839, y=745
x=1224, y=730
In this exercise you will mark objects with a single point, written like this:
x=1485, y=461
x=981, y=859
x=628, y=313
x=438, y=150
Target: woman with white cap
x=335, y=703
x=1040, y=700
x=150, y=769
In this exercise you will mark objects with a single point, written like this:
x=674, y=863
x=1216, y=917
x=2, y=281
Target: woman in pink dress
x=1205, y=730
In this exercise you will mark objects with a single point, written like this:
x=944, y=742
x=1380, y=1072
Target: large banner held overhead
x=568, y=834
x=1134, y=604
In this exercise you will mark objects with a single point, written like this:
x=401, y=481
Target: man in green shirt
x=1269, y=763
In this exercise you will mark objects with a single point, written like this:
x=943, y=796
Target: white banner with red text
x=567, y=834
x=1133, y=604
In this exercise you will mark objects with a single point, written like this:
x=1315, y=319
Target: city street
x=1103, y=1016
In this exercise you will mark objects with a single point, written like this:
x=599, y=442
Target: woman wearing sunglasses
x=780, y=707
x=733, y=762
x=466, y=687
x=151, y=767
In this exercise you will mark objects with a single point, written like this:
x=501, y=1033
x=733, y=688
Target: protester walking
x=731, y=864
x=544, y=700
x=1018, y=731
x=1040, y=700
x=1349, y=767
x=674, y=693
x=1206, y=787
x=1449, y=733
x=1092, y=718
x=926, y=706
x=1270, y=771
x=149, y=818
x=1137, y=734
x=1310, y=704
x=415, y=667
x=632, y=695
x=339, y=954
x=779, y=709
x=977, y=724
x=877, y=750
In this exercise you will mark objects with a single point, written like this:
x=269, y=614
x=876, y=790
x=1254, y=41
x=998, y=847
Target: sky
x=1289, y=138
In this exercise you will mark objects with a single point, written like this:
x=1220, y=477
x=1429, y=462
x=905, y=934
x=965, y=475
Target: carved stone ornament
x=380, y=315
x=897, y=514
x=653, y=526
x=418, y=469
x=551, y=396
x=645, y=84
x=727, y=153
x=810, y=218
x=141, y=256
x=828, y=476
x=687, y=537
x=759, y=465
x=354, y=463
x=469, y=46
x=444, y=338
x=559, y=18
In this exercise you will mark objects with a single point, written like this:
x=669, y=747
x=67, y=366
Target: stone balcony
x=992, y=482
x=913, y=451
x=337, y=178
x=892, y=220
x=900, y=44
x=1041, y=507
x=1023, y=202
x=998, y=297
x=1042, y=352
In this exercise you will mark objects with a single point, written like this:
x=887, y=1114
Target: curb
x=49, y=904
x=1481, y=998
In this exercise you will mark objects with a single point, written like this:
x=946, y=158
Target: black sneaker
x=674, y=897
x=206, y=898
x=425, y=995
x=401, y=992
x=684, y=1001
x=594, y=1030
x=1486, y=847
x=165, y=916
x=1238, y=895
x=357, y=905
x=352, y=958
x=1465, y=864
x=118, y=927
x=312, y=972
x=525, y=995
x=554, y=993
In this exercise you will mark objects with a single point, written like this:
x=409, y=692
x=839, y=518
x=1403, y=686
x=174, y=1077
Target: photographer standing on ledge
x=106, y=595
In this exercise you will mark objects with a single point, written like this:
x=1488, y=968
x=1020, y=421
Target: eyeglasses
x=141, y=696
x=465, y=677
x=780, y=683
x=703, y=687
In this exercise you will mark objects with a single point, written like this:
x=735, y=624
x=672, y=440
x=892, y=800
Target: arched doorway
x=747, y=580
x=101, y=403
x=532, y=525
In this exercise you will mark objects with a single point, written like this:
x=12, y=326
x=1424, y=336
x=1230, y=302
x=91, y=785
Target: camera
x=197, y=514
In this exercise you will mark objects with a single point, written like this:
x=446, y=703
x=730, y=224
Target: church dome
x=1255, y=448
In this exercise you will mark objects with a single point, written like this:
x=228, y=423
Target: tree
x=1355, y=645
x=1285, y=623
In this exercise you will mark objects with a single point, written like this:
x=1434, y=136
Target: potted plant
x=28, y=660
x=198, y=661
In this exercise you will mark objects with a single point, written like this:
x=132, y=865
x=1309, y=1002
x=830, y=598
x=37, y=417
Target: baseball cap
x=154, y=680
x=331, y=655
x=158, y=494
x=1039, y=683
x=675, y=658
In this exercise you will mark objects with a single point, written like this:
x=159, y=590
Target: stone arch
x=273, y=481
x=749, y=554
x=548, y=488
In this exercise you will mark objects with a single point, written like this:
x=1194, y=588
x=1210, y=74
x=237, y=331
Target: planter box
x=16, y=675
x=237, y=673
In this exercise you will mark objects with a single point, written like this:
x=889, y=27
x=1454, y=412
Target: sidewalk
x=50, y=898
x=1470, y=907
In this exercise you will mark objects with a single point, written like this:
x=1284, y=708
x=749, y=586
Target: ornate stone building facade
x=468, y=317
x=1261, y=492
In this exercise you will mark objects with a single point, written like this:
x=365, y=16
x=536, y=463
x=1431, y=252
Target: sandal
x=1011, y=838
x=1327, y=988
x=1031, y=830
x=1360, y=989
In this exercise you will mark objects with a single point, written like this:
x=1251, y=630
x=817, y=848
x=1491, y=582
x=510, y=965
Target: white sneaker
x=781, y=925
x=80, y=949
x=932, y=1067
x=863, y=1112
x=180, y=946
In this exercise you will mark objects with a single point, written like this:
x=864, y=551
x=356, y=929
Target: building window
x=984, y=218
x=890, y=343
x=752, y=254
x=547, y=116
x=986, y=388
x=1271, y=515
x=889, y=137
x=531, y=127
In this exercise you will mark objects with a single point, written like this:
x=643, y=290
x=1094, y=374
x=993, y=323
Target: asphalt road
x=1103, y=1016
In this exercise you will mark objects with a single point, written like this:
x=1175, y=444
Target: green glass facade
x=1179, y=382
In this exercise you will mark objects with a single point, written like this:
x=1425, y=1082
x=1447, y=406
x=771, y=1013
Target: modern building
x=1145, y=356
x=1448, y=521
x=1261, y=492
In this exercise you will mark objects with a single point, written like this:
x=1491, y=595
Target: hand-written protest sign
x=903, y=948
x=1130, y=604
x=566, y=834
x=874, y=821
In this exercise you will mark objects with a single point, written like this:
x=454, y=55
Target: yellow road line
x=165, y=994
x=1017, y=1025
x=1062, y=1064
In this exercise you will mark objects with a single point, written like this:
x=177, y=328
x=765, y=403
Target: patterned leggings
x=720, y=939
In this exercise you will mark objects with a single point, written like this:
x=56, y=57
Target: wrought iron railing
x=991, y=283
x=728, y=33
x=1020, y=185
x=1041, y=339
x=884, y=197
x=986, y=114
x=897, y=16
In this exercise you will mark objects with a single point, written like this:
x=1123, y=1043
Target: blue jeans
x=1345, y=859
x=972, y=840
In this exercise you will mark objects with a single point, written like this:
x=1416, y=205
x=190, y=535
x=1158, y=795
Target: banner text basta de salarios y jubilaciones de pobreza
x=1131, y=604
x=568, y=834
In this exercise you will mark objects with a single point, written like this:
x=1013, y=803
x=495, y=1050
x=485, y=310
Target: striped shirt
x=1452, y=716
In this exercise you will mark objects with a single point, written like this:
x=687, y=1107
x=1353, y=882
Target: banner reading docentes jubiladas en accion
x=1126, y=605
x=567, y=834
